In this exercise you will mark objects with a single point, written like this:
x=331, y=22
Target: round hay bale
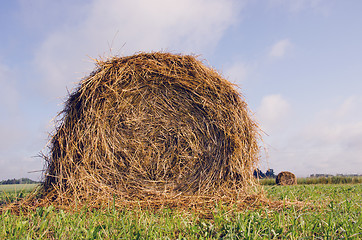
x=151, y=126
x=286, y=178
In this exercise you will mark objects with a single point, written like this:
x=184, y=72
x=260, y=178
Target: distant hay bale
x=151, y=127
x=286, y=178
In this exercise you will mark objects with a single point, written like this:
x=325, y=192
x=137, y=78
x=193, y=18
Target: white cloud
x=280, y=48
x=331, y=143
x=349, y=109
x=18, y=166
x=273, y=112
x=13, y=136
x=335, y=139
x=141, y=25
x=10, y=132
x=237, y=72
x=340, y=126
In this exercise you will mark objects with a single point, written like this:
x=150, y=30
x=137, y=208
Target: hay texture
x=151, y=126
x=286, y=178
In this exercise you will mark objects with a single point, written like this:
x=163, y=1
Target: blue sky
x=298, y=64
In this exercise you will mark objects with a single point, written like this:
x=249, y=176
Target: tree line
x=18, y=181
x=268, y=174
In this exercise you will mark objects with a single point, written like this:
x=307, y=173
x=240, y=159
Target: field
x=11, y=192
x=333, y=212
x=318, y=180
x=13, y=188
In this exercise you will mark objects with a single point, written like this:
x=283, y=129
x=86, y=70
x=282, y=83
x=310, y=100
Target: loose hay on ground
x=152, y=129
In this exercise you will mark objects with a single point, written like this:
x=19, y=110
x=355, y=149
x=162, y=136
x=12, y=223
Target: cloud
x=347, y=109
x=335, y=139
x=9, y=109
x=339, y=126
x=237, y=72
x=126, y=27
x=330, y=143
x=18, y=166
x=14, y=137
x=273, y=112
x=280, y=48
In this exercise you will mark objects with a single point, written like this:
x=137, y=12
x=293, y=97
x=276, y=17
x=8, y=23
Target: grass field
x=318, y=180
x=334, y=212
x=11, y=192
x=13, y=188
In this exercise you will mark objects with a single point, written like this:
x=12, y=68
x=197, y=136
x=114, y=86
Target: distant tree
x=18, y=181
x=258, y=173
x=9, y=181
x=270, y=173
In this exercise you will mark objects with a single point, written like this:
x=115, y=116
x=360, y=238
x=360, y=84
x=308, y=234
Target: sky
x=298, y=64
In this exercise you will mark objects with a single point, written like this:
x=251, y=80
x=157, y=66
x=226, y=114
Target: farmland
x=11, y=192
x=332, y=211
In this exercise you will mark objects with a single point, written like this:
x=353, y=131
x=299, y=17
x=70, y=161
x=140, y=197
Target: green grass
x=334, y=213
x=11, y=192
x=318, y=180
x=17, y=187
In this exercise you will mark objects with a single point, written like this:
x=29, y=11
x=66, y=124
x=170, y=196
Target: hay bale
x=151, y=126
x=286, y=178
